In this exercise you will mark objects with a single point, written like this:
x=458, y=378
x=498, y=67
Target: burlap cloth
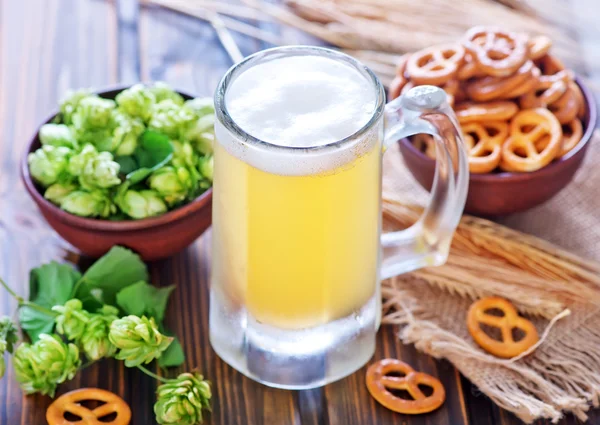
x=563, y=373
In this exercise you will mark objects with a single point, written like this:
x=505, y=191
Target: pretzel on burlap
x=379, y=383
x=527, y=129
x=498, y=53
x=510, y=320
x=71, y=403
x=435, y=65
x=483, y=141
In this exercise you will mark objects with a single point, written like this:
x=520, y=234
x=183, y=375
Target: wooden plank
x=45, y=47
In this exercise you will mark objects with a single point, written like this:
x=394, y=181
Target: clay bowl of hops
x=152, y=227
x=527, y=121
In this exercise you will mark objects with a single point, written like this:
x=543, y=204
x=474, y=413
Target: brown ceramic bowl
x=503, y=193
x=152, y=238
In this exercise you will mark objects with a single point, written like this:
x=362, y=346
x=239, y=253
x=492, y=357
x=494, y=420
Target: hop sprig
x=8, y=338
x=40, y=367
x=94, y=341
x=182, y=400
x=138, y=340
x=72, y=319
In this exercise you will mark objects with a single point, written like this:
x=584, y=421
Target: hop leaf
x=40, y=367
x=94, y=341
x=137, y=339
x=48, y=163
x=72, y=319
x=136, y=101
x=181, y=401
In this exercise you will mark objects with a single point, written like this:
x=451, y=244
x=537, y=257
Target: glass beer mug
x=298, y=254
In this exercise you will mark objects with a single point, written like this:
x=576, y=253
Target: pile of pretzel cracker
x=518, y=106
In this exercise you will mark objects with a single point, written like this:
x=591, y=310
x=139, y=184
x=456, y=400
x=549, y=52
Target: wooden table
x=48, y=46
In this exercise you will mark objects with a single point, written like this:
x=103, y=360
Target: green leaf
x=142, y=298
x=173, y=356
x=117, y=269
x=154, y=150
x=49, y=285
x=127, y=163
x=52, y=284
x=34, y=322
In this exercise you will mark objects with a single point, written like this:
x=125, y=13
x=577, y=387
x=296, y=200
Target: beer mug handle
x=424, y=109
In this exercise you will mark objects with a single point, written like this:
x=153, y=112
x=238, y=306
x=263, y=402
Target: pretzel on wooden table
x=379, y=382
x=71, y=403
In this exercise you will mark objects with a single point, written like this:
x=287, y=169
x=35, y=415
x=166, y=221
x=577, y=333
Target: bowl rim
x=515, y=176
x=100, y=224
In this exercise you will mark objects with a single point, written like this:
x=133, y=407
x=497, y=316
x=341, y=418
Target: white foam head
x=301, y=101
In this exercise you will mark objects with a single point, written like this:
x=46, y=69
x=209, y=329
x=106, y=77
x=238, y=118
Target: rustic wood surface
x=47, y=46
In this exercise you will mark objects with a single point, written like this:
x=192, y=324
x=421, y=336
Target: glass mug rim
x=284, y=51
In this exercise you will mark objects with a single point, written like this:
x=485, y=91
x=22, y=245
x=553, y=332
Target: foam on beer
x=298, y=101
x=301, y=101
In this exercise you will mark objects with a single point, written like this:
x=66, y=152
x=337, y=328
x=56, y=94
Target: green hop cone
x=69, y=104
x=100, y=172
x=171, y=119
x=57, y=135
x=163, y=91
x=94, y=122
x=202, y=134
x=58, y=191
x=142, y=204
x=183, y=154
x=137, y=339
x=94, y=341
x=48, y=163
x=40, y=367
x=8, y=338
x=136, y=101
x=173, y=184
x=93, y=112
x=182, y=400
x=88, y=204
x=72, y=319
x=77, y=162
x=205, y=165
x=201, y=106
x=126, y=134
